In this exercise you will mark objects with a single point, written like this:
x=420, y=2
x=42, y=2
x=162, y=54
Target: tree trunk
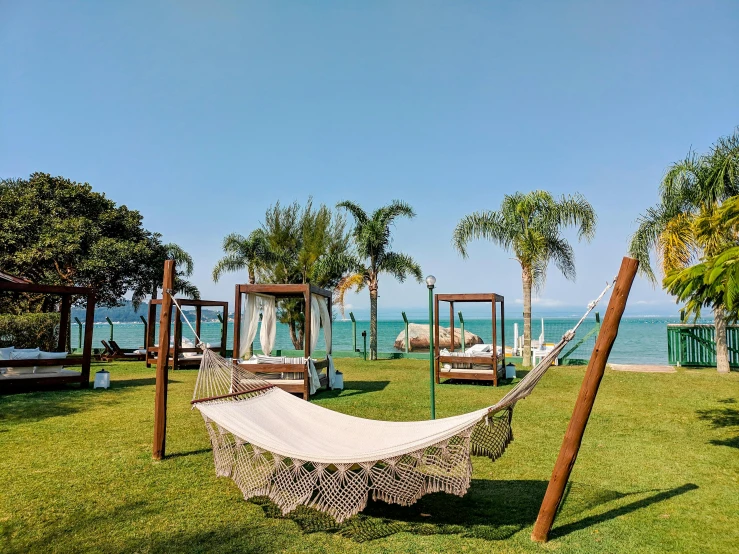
x=252, y=277
x=373, y=320
x=296, y=335
x=526, y=279
x=722, y=348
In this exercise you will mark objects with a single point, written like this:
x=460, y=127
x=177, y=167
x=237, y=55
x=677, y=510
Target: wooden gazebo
x=25, y=382
x=495, y=363
x=178, y=361
x=282, y=291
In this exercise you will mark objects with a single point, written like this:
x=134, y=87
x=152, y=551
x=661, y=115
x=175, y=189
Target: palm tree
x=372, y=256
x=530, y=226
x=679, y=227
x=251, y=253
x=150, y=274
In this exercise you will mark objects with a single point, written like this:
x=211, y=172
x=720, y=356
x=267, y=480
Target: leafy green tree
x=530, y=226
x=58, y=232
x=251, y=253
x=691, y=192
x=372, y=236
x=307, y=245
x=714, y=282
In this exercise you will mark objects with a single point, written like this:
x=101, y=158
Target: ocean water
x=640, y=339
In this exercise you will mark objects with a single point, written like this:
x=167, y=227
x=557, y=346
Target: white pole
x=541, y=337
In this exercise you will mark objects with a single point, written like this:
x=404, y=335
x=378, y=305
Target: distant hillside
x=126, y=313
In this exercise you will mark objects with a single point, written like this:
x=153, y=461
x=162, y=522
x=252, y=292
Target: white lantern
x=102, y=379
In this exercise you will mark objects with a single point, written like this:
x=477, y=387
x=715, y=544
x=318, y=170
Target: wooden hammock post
x=585, y=400
x=160, y=394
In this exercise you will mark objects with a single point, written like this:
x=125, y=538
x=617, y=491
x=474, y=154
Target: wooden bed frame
x=50, y=379
x=284, y=291
x=496, y=363
x=174, y=358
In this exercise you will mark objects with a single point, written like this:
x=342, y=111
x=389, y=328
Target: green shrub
x=30, y=331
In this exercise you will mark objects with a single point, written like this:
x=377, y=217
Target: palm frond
x=400, y=266
x=229, y=264
x=356, y=281
x=182, y=286
x=482, y=225
x=180, y=257
x=360, y=216
x=386, y=215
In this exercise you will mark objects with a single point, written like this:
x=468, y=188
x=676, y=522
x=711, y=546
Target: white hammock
x=274, y=444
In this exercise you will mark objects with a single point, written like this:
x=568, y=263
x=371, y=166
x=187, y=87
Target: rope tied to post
x=199, y=344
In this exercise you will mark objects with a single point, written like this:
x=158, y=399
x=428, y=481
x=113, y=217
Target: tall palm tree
x=251, y=253
x=530, y=226
x=678, y=228
x=372, y=255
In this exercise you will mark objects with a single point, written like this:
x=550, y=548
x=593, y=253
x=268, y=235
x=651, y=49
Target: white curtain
x=315, y=323
x=249, y=322
x=325, y=322
x=269, y=324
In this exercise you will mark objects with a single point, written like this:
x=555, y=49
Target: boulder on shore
x=419, y=338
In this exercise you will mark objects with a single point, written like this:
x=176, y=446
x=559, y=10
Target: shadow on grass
x=32, y=406
x=353, y=388
x=189, y=453
x=245, y=537
x=491, y=510
x=559, y=532
x=721, y=418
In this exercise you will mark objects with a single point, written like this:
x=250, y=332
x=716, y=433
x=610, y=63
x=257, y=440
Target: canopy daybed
x=183, y=355
x=47, y=368
x=470, y=366
x=295, y=375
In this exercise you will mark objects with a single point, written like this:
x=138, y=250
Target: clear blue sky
x=201, y=115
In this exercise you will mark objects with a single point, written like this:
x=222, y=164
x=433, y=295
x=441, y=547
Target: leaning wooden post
x=160, y=394
x=586, y=398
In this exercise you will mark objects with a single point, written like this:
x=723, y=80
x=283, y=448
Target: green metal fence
x=694, y=345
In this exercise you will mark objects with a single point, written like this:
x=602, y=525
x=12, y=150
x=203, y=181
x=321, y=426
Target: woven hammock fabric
x=274, y=444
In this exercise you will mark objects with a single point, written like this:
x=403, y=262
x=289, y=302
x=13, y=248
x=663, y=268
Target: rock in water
x=419, y=338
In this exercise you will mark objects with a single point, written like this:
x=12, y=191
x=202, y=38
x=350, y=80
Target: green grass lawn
x=658, y=471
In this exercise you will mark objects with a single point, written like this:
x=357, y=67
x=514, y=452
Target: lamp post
x=430, y=282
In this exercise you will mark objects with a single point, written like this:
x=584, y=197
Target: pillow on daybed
x=25, y=354
x=5, y=352
x=294, y=374
x=270, y=359
x=52, y=355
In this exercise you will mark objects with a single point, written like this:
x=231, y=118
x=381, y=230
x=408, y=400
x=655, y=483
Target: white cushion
x=5, y=352
x=49, y=369
x=52, y=355
x=479, y=348
x=24, y=355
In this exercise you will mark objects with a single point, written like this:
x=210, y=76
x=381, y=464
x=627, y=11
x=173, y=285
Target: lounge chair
x=115, y=352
